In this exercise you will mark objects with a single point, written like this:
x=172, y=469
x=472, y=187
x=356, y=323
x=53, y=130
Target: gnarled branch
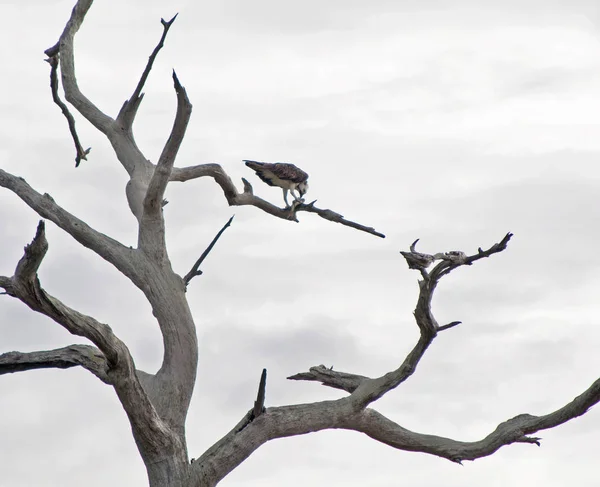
x=364, y=390
x=286, y=421
x=120, y=369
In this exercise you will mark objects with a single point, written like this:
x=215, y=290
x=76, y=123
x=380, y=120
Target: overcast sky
x=449, y=121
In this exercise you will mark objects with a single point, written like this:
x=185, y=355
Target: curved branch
x=286, y=421
x=85, y=356
x=80, y=152
x=73, y=94
x=247, y=197
x=152, y=435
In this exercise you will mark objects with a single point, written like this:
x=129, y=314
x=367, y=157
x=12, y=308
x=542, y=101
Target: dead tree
x=157, y=404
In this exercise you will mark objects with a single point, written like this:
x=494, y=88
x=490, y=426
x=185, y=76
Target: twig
x=81, y=154
x=130, y=107
x=195, y=270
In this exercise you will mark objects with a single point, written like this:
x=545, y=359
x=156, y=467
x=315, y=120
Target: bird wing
x=286, y=172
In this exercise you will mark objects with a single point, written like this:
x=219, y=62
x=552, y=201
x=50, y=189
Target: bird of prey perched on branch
x=286, y=176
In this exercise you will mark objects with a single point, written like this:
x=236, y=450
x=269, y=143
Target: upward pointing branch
x=152, y=226
x=130, y=107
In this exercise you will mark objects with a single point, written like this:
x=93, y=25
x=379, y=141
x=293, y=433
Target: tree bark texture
x=157, y=404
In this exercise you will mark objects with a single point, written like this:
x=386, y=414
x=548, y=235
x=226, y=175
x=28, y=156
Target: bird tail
x=254, y=164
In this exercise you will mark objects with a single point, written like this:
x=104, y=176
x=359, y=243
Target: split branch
x=85, y=356
x=195, y=270
x=119, y=370
x=247, y=197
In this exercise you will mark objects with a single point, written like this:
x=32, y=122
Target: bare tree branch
x=80, y=153
x=122, y=257
x=365, y=390
x=331, y=378
x=337, y=218
x=86, y=356
x=152, y=226
x=259, y=404
x=148, y=427
x=25, y=286
x=286, y=421
x=128, y=111
x=64, y=47
x=195, y=270
x=247, y=197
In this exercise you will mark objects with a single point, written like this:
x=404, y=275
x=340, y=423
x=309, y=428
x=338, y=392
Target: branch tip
x=449, y=325
x=80, y=153
x=195, y=270
x=259, y=404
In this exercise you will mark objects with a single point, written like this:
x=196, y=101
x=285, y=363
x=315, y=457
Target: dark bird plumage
x=281, y=174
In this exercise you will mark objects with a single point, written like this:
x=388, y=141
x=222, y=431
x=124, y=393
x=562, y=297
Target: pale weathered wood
x=157, y=404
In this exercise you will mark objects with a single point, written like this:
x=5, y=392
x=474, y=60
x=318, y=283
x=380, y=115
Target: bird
x=286, y=176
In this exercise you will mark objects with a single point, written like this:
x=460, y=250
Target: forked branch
x=119, y=369
x=364, y=390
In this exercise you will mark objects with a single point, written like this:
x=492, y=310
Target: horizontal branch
x=85, y=356
x=331, y=378
x=286, y=421
x=120, y=369
x=247, y=197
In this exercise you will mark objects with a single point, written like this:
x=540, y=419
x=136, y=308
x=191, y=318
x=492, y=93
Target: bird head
x=303, y=188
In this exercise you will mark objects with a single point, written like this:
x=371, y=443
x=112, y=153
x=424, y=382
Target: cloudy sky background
x=453, y=122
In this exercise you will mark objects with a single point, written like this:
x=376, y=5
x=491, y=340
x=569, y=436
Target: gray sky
x=453, y=122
